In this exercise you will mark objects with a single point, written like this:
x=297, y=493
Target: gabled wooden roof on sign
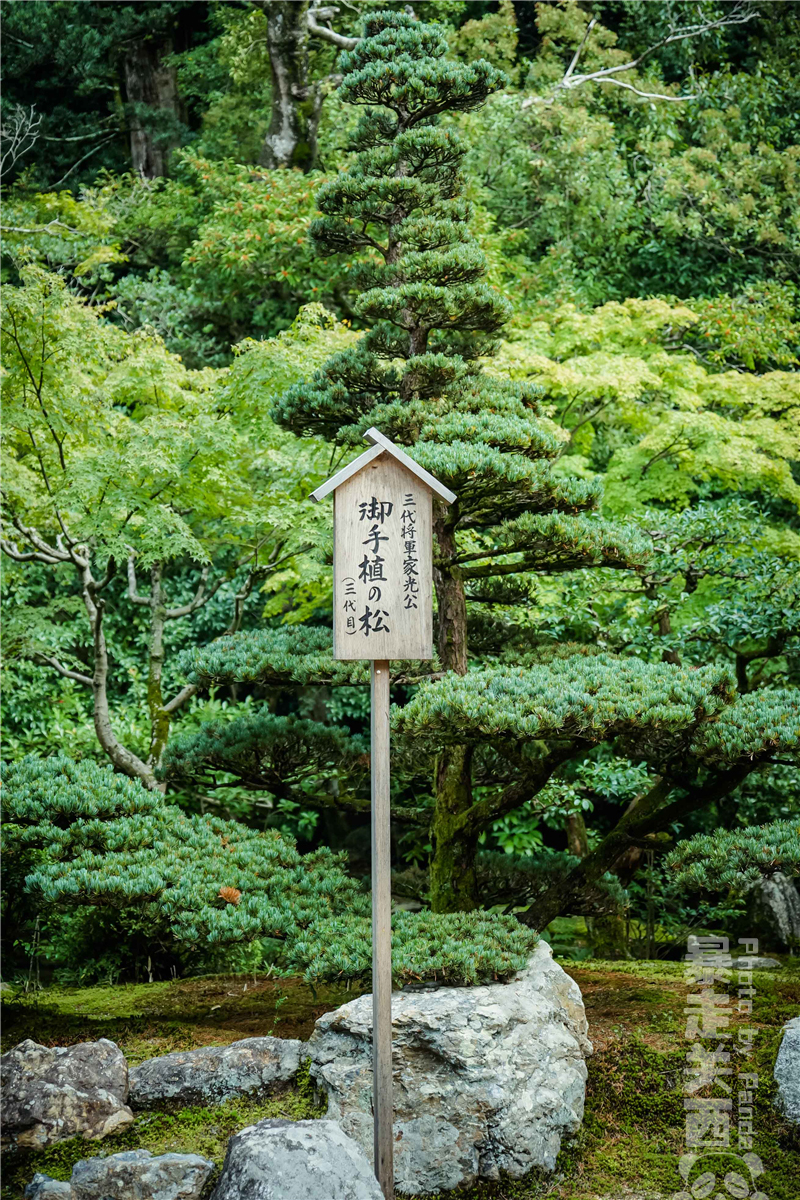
x=382, y=445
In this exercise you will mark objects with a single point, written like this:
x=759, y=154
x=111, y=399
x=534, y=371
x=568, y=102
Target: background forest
x=613, y=716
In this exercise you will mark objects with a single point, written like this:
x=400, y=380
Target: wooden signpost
x=382, y=609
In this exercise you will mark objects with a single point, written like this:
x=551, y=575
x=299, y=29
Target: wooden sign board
x=382, y=555
x=382, y=584
x=383, y=609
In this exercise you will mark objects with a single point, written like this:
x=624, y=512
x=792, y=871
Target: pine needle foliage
x=274, y=657
x=423, y=295
x=110, y=842
x=101, y=839
x=263, y=750
x=417, y=374
x=447, y=948
x=733, y=860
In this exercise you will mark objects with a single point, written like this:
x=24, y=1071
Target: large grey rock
x=485, y=1079
x=51, y=1093
x=138, y=1175
x=787, y=1072
x=295, y=1160
x=44, y=1187
x=756, y=962
x=773, y=913
x=214, y=1073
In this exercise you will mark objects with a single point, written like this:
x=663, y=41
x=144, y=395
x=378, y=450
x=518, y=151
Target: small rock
x=214, y=1073
x=6, y=989
x=295, y=1160
x=752, y=962
x=138, y=1175
x=787, y=1072
x=486, y=1079
x=52, y=1093
x=43, y=1187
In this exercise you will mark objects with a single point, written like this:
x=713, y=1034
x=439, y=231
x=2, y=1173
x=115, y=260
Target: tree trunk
x=568, y=895
x=451, y=641
x=577, y=838
x=652, y=813
x=159, y=717
x=607, y=932
x=151, y=85
x=453, y=881
x=291, y=140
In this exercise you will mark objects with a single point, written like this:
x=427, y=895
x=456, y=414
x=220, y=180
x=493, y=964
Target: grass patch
x=149, y=1019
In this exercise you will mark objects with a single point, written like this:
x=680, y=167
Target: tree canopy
x=549, y=249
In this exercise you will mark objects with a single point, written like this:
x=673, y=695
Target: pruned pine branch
x=738, y=14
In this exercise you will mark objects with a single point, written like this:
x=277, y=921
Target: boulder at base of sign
x=486, y=1079
x=295, y=1160
x=51, y=1093
x=787, y=1072
x=214, y=1073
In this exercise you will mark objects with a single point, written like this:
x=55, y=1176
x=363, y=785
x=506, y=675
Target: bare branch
x=38, y=228
x=52, y=553
x=88, y=154
x=570, y=69
x=650, y=95
x=78, y=676
x=738, y=14
x=325, y=32
x=201, y=597
x=180, y=698
x=12, y=550
x=18, y=135
x=108, y=575
x=122, y=758
x=132, y=589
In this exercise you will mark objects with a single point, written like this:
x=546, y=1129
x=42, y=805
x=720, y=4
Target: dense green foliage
x=110, y=841
x=199, y=882
x=735, y=860
x=572, y=297
x=450, y=948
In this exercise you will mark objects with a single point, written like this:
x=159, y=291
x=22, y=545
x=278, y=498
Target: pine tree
x=505, y=713
x=415, y=373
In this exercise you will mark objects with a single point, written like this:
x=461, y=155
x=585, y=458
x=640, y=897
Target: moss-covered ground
x=633, y=1132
